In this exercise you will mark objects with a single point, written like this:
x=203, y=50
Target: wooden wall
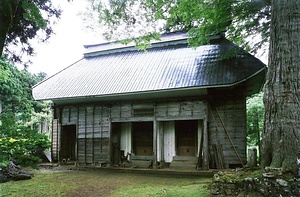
x=228, y=121
x=55, y=140
x=93, y=126
x=161, y=111
x=93, y=123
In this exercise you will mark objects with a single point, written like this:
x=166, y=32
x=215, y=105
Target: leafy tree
x=241, y=20
x=19, y=143
x=147, y=19
x=16, y=91
x=255, y=120
x=19, y=139
x=21, y=20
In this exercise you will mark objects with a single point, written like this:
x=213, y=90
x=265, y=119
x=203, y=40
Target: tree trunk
x=7, y=13
x=282, y=103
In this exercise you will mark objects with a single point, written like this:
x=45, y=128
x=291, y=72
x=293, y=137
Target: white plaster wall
x=169, y=140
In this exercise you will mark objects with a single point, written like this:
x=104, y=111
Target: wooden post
x=205, y=144
x=155, y=144
x=77, y=139
x=110, y=148
x=200, y=145
x=252, y=157
x=93, y=137
x=161, y=144
x=110, y=145
x=85, y=135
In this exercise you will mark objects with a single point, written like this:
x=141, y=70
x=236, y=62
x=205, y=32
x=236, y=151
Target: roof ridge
x=117, y=46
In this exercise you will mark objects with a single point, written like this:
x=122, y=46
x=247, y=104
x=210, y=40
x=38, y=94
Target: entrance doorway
x=186, y=137
x=115, y=143
x=142, y=143
x=68, y=142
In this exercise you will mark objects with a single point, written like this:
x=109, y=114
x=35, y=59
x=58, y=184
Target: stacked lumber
x=218, y=156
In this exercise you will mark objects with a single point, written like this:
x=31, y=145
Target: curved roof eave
x=152, y=94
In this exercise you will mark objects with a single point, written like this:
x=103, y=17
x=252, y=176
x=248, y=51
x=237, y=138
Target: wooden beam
x=205, y=145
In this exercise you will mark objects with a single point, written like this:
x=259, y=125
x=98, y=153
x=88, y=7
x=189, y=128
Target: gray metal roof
x=164, y=67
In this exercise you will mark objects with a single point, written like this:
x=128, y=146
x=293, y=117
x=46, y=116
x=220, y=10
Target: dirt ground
x=62, y=181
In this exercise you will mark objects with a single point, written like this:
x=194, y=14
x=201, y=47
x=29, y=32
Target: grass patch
x=105, y=183
x=158, y=190
x=42, y=184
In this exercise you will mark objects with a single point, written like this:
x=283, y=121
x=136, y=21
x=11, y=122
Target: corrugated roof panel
x=162, y=68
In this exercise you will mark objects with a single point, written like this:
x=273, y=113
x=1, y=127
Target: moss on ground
x=105, y=183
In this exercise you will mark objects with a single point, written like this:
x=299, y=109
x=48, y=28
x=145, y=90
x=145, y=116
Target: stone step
x=138, y=164
x=183, y=165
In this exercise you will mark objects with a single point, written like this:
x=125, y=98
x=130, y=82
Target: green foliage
x=20, y=115
x=255, y=119
x=32, y=13
x=241, y=20
x=23, y=21
x=16, y=93
x=19, y=143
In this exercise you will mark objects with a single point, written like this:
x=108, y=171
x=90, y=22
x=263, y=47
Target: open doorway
x=186, y=137
x=68, y=142
x=142, y=143
x=115, y=143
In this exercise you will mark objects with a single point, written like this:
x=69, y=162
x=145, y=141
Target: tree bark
x=281, y=133
x=7, y=13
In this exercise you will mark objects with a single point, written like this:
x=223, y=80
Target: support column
x=205, y=144
x=162, y=145
x=110, y=151
x=155, y=129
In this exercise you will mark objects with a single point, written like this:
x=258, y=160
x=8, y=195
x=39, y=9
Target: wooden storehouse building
x=170, y=106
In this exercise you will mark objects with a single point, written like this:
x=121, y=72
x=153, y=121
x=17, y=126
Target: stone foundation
x=255, y=183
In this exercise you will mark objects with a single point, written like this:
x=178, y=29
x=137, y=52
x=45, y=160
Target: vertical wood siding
x=233, y=114
x=92, y=132
x=55, y=139
x=93, y=125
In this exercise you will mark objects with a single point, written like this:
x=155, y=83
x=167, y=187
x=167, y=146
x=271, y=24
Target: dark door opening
x=68, y=142
x=115, y=143
x=186, y=137
x=142, y=138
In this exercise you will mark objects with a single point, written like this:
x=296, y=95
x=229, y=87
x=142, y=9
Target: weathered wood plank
x=55, y=139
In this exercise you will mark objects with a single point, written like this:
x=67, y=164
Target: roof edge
x=157, y=91
x=56, y=74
